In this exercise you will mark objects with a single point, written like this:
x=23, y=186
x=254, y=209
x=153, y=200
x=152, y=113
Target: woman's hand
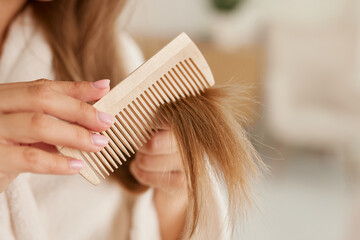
x=32, y=122
x=158, y=164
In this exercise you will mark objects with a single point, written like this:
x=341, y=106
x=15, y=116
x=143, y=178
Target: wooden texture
x=177, y=71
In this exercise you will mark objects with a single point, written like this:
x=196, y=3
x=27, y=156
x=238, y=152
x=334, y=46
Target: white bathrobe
x=36, y=207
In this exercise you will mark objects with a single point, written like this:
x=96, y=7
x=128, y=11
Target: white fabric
x=37, y=207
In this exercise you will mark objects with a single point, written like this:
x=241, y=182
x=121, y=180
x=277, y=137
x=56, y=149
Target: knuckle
x=41, y=91
x=58, y=165
x=142, y=176
x=79, y=85
x=143, y=161
x=31, y=155
x=72, y=86
x=83, y=109
x=154, y=144
x=79, y=88
x=82, y=134
x=42, y=81
x=179, y=180
x=139, y=174
x=39, y=121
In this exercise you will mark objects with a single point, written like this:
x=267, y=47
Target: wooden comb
x=177, y=71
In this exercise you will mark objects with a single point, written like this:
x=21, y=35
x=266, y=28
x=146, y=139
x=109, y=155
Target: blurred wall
x=303, y=57
x=152, y=17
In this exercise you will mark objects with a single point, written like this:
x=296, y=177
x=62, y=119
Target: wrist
x=171, y=211
x=172, y=200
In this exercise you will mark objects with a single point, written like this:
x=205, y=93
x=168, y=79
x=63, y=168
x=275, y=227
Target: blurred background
x=301, y=60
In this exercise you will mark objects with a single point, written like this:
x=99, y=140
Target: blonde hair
x=214, y=146
x=83, y=36
x=211, y=140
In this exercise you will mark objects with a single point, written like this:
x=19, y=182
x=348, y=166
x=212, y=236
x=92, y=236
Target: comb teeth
x=176, y=72
x=139, y=120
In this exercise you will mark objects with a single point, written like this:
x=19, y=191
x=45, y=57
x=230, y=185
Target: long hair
x=214, y=149
x=83, y=36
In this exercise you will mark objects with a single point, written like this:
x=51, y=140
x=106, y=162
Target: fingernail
x=76, y=164
x=99, y=140
x=101, y=84
x=108, y=119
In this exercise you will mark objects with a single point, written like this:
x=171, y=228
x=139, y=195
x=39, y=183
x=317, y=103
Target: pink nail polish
x=108, y=119
x=76, y=164
x=101, y=84
x=99, y=140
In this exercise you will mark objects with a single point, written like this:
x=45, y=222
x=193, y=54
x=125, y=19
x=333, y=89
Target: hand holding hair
x=158, y=164
x=31, y=115
x=214, y=150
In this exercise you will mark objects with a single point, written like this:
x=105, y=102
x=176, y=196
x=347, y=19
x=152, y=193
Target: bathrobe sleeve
x=145, y=224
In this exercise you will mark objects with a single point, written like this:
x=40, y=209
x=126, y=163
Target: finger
x=41, y=98
x=15, y=85
x=84, y=91
x=21, y=84
x=43, y=146
x=162, y=143
x=29, y=159
x=166, y=181
x=158, y=163
x=38, y=127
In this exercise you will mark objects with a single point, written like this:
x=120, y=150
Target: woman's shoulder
x=130, y=52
